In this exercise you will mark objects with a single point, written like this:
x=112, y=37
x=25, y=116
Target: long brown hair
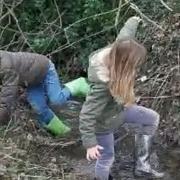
x=123, y=60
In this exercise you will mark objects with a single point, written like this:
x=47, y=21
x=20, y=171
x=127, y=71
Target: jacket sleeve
x=8, y=94
x=129, y=29
x=91, y=110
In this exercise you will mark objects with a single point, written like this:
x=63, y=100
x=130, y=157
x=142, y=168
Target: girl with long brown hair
x=111, y=102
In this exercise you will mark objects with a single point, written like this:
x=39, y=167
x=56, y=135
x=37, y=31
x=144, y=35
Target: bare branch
x=1, y=7
x=118, y=13
x=136, y=8
x=178, y=60
x=96, y=15
x=12, y=7
x=80, y=40
x=165, y=5
x=59, y=14
x=4, y=28
x=18, y=26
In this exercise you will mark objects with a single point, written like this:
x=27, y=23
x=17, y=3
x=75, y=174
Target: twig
x=165, y=80
x=165, y=5
x=118, y=13
x=94, y=16
x=12, y=41
x=2, y=17
x=121, y=138
x=2, y=32
x=7, y=45
x=26, y=33
x=50, y=41
x=164, y=83
x=59, y=14
x=13, y=6
x=80, y=40
x=35, y=166
x=136, y=8
x=10, y=157
x=54, y=32
x=62, y=172
x=178, y=60
x=6, y=130
x=18, y=26
x=80, y=21
x=34, y=177
x=60, y=144
x=67, y=37
x=159, y=97
x=1, y=7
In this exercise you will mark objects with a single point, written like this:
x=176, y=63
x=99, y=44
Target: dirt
x=29, y=152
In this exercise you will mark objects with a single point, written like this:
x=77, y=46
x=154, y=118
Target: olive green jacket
x=100, y=112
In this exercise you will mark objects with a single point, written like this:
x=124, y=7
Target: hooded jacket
x=18, y=68
x=101, y=113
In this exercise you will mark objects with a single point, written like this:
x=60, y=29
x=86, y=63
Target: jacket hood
x=97, y=71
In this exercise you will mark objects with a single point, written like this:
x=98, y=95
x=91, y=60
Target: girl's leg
x=37, y=99
x=145, y=123
x=57, y=94
x=142, y=120
x=104, y=163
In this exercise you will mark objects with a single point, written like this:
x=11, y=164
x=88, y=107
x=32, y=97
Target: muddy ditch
x=28, y=152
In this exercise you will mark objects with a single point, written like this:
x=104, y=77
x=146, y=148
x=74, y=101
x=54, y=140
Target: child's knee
x=56, y=101
x=155, y=118
x=154, y=125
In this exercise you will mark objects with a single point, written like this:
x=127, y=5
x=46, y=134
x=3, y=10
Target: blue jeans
x=141, y=119
x=50, y=90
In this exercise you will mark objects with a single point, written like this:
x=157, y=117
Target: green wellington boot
x=57, y=127
x=78, y=87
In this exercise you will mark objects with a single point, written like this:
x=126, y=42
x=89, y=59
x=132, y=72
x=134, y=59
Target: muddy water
x=166, y=159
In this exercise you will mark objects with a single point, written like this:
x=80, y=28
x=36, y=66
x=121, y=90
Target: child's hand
x=137, y=18
x=93, y=152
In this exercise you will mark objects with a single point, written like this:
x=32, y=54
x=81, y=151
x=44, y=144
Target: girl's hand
x=93, y=152
x=137, y=18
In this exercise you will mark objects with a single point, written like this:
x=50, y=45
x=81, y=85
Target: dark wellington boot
x=142, y=154
x=110, y=177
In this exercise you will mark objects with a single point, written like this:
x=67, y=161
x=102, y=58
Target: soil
x=29, y=152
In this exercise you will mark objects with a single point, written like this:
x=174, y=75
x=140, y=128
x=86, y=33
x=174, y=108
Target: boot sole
x=147, y=175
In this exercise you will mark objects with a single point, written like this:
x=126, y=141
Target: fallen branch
x=33, y=177
x=159, y=97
